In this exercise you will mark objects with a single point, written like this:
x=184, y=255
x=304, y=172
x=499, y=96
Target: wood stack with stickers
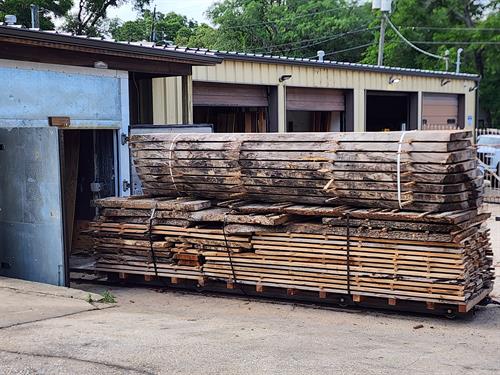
x=389, y=220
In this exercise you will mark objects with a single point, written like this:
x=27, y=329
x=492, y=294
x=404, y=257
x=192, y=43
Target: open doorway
x=391, y=111
x=88, y=172
x=315, y=121
x=232, y=119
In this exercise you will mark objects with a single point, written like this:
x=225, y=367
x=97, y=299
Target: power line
x=324, y=40
x=291, y=18
x=350, y=49
x=333, y=38
x=450, y=28
x=410, y=43
x=453, y=42
x=347, y=49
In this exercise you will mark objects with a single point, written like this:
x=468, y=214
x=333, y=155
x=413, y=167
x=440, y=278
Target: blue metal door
x=31, y=223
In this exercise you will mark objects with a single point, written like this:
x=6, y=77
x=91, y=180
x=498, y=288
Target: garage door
x=440, y=110
x=228, y=95
x=310, y=99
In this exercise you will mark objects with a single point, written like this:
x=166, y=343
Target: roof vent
x=321, y=56
x=10, y=20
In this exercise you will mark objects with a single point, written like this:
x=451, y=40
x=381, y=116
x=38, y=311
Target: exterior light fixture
x=394, y=80
x=100, y=65
x=474, y=88
x=445, y=81
x=285, y=77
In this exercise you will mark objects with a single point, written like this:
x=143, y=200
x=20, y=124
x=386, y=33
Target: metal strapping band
x=235, y=280
x=398, y=172
x=348, y=252
x=171, y=152
x=151, y=247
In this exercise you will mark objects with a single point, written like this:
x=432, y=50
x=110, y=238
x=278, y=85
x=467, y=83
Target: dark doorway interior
x=87, y=173
x=315, y=121
x=233, y=119
x=387, y=112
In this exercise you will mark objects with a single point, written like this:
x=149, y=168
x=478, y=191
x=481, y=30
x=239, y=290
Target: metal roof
x=277, y=59
x=51, y=38
x=203, y=56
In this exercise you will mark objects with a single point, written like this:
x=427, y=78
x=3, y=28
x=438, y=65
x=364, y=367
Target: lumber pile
x=392, y=216
x=428, y=171
x=430, y=257
x=81, y=239
x=125, y=241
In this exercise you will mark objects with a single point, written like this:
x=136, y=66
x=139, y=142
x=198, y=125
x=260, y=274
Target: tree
x=203, y=36
x=48, y=8
x=169, y=27
x=90, y=17
x=293, y=27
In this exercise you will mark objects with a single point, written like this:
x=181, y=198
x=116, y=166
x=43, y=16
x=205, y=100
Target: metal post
x=35, y=16
x=459, y=52
x=381, y=41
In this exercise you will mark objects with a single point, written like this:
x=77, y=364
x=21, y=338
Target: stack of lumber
x=418, y=171
x=81, y=239
x=431, y=257
x=125, y=242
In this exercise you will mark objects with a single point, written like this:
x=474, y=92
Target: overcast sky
x=191, y=8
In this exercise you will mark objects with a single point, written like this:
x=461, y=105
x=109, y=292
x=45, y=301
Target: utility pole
x=385, y=8
x=153, y=27
x=381, y=41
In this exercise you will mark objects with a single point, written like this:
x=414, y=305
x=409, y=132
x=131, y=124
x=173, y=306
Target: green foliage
x=169, y=27
x=21, y=9
x=90, y=17
x=294, y=27
x=107, y=297
x=89, y=298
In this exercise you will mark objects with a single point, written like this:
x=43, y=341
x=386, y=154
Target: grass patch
x=107, y=297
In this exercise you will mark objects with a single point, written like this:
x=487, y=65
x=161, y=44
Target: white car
x=488, y=151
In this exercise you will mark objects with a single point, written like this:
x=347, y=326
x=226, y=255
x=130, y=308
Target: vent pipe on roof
x=321, y=56
x=10, y=19
x=35, y=16
x=459, y=53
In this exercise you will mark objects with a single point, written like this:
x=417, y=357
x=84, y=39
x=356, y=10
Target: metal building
x=250, y=92
x=66, y=104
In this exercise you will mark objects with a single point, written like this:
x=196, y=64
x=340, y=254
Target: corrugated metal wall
x=254, y=73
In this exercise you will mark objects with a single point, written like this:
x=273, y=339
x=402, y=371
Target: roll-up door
x=311, y=99
x=440, y=109
x=229, y=95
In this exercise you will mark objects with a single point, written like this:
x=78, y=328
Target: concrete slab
x=175, y=333
x=24, y=301
x=31, y=287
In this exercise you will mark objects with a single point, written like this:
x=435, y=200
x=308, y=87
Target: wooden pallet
x=319, y=297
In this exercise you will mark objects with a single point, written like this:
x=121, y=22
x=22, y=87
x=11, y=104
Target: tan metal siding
x=267, y=74
x=167, y=100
